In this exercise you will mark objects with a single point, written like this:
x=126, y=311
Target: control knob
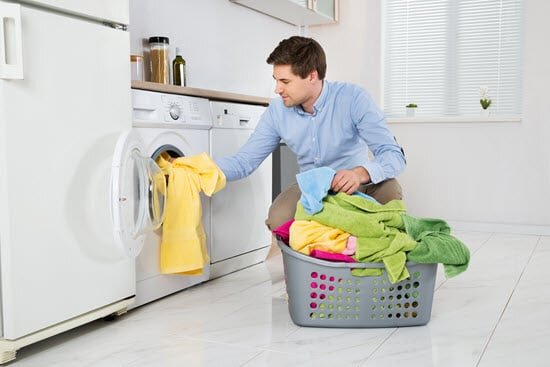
x=175, y=112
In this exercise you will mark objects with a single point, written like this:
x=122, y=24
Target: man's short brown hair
x=303, y=54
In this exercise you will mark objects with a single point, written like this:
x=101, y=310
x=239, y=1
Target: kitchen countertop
x=197, y=92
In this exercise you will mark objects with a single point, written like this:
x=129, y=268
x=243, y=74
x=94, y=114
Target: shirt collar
x=319, y=103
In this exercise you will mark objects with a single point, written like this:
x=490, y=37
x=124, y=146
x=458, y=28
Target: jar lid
x=158, y=39
x=136, y=57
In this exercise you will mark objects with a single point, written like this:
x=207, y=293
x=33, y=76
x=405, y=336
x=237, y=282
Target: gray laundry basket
x=325, y=294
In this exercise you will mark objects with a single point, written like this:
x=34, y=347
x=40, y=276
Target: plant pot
x=411, y=111
x=484, y=113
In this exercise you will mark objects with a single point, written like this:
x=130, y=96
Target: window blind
x=438, y=53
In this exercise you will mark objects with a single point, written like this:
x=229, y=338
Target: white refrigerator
x=76, y=194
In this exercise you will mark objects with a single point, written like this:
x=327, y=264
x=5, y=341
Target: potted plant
x=411, y=108
x=484, y=100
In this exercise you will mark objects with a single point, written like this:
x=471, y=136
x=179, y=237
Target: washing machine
x=178, y=125
x=238, y=233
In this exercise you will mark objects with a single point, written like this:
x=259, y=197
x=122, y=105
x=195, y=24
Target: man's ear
x=313, y=76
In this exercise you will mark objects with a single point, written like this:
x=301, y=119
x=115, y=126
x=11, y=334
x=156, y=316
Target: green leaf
x=485, y=103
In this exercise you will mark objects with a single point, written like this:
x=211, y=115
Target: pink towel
x=351, y=246
x=331, y=257
x=283, y=231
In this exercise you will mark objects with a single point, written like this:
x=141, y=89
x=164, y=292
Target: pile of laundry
x=356, y=228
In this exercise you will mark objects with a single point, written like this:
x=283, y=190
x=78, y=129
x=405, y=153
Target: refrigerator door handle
x=11, y=48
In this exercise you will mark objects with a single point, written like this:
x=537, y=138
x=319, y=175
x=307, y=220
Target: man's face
x=292, y=88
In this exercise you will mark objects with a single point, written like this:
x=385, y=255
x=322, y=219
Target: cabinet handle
x=11, y=48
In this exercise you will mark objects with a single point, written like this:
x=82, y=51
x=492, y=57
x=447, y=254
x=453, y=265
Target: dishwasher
x=238, y=234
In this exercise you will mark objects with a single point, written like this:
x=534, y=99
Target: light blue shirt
x=345, y=125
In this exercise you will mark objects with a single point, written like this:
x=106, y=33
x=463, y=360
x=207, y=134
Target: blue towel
x=315, y=185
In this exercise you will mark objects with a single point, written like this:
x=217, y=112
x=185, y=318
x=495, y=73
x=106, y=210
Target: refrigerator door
x=116, y=11
x=11, y=59
x=58, y=131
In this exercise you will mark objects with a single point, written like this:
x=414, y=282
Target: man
x=325, y=124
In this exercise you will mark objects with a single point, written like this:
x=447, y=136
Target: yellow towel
x=183, y=246
x=307, y=235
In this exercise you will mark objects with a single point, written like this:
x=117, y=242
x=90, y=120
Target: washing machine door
x=138, y=193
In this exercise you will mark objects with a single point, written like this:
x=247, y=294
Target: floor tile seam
x=243, y=290
x=227, y=344
x=260, y=349
x=364, y=362
x=507, y=303
x=476, y=250
x=485, y=242
x=251, y=359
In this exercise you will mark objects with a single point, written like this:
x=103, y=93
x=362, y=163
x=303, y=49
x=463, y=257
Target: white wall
x=225, y=45
x=472, y=172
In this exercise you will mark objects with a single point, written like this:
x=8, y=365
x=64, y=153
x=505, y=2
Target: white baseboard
x=238, y=262
x=500, y=227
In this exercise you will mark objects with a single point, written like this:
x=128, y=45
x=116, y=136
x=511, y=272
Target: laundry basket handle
x=359, y=265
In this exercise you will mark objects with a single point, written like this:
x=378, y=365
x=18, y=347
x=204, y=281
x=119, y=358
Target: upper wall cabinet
x=296, y=12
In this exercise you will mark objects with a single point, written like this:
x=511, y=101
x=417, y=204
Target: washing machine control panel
x=155, y=109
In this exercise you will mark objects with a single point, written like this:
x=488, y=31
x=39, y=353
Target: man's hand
x=349, y=180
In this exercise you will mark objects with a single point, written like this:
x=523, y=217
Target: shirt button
x=313, y=139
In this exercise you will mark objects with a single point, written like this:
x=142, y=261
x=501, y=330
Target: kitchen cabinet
x=296, y=12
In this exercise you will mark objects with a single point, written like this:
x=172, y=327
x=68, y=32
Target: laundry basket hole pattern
x=342, y=306
x=327, y=294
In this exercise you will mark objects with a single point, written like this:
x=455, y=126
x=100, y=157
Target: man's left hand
x=349, y=180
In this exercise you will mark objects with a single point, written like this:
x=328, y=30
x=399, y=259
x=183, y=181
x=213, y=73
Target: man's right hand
x=349, y=180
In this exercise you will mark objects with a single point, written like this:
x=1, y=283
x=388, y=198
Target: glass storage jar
x=136, y=62
x=160, y=62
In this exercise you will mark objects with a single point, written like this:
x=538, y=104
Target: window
x=438, y=53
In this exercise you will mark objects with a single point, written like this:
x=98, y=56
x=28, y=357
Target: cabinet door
x=327, y=8
x=296, y=12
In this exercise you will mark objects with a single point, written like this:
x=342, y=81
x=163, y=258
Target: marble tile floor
x=495, y=314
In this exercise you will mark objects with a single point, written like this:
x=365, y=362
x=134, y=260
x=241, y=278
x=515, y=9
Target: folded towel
x=436, y=245
x=183, y=246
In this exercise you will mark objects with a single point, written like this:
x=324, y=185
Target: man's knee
x=283, y=207
x=385, y=191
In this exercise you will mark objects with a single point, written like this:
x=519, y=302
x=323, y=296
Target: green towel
x=379, y=229
x=436, y=245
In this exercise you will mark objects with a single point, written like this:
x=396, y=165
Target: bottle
x=160, y=63
x=178, y=69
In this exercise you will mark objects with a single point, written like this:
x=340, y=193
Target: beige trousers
x=283, y=207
